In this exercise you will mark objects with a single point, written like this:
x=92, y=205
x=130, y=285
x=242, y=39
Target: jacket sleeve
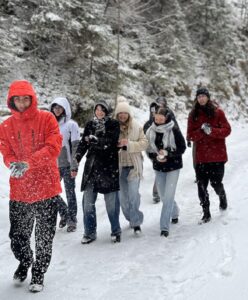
x=74, y=130
x=180, y=143
x=75, y=137
x=52, y=145
x=140, y=145
x=223, y=129
x=5, y=149
x=194, y=133
x=83, y=146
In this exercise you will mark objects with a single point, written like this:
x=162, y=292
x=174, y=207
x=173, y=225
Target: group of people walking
x=41, y=148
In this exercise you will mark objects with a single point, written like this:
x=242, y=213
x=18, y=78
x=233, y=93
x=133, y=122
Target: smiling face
x=99, y=112
x=22, y=102
x=159, y=119
x=123, y=117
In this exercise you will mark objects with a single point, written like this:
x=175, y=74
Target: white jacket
x=71, y=135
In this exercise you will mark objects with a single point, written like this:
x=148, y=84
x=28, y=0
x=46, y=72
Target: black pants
x=68, y=212
x=213, y=172
x=22, y=217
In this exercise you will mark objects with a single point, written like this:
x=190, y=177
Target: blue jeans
x=130, y=197
x=89, y=210
x=69, y=182
x=166, y=184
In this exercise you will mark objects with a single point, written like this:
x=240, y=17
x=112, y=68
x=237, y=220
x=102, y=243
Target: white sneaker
x=87, y=240
x=35, y=287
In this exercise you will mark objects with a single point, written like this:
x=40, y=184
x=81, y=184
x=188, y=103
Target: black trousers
x=213, y=173
x=22, y=218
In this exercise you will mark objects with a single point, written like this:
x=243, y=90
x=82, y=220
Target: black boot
x=21, y=273
x=206, y=215
x=223, y=202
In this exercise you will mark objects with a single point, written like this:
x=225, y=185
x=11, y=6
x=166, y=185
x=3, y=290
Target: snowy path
x=196, y=262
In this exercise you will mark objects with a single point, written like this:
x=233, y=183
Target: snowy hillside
x=196, y=262
x=83, y=50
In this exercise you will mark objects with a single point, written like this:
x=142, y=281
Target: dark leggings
x=213, y=172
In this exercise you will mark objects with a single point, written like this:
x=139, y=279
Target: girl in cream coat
x=132, y=142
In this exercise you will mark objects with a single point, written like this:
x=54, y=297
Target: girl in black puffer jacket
x=166, y=146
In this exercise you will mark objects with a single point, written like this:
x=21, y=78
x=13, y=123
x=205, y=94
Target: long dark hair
x=209, y=109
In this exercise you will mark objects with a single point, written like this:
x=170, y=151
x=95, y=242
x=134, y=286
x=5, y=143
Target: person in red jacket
x=208, y=128
x=30, y=143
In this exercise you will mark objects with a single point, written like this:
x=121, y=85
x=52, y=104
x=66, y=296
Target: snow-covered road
x=196, y=262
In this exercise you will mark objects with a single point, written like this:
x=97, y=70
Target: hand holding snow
x=206, y=128
x=18, y=169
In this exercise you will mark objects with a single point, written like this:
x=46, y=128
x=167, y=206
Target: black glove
x=18, y=169
x=206, y=128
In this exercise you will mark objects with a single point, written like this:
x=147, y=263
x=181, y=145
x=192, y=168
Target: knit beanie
x=123, y=107
x=202, y=91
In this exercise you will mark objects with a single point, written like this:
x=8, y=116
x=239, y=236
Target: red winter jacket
x=212, y=147
x=32, y=136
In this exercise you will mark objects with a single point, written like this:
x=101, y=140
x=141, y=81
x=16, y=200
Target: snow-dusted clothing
x=71, y=135
x=167, y=136
x=101, y=171
x=22, y=217
x=131, y=166
x=101, y=166
x=67, y=162
x=32, y=136
x=210, y=150
x=211, y=147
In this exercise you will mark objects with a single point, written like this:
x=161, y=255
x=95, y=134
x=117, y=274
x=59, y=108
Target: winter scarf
x=168, y=136
x=99, y=125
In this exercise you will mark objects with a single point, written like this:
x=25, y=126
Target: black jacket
x=174, y=158
x=101, y=168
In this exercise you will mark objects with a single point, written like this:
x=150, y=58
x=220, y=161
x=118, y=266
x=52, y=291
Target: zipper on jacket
x=20, y=144
x=33, y=141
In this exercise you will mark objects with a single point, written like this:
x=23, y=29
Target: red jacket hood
x=22, y=88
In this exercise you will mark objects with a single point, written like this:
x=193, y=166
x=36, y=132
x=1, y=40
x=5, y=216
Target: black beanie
x=202, y=91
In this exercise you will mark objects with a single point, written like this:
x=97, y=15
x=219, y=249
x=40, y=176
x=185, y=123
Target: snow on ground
x=195, y=262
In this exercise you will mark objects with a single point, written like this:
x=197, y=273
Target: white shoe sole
x=35, y=288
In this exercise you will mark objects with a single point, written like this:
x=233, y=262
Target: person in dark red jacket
x=30, y=142
x=208, y=128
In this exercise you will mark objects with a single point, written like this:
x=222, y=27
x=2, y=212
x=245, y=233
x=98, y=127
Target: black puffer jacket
x=101, y=168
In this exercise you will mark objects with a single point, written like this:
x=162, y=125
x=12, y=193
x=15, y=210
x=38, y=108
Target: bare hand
x=122, y=142
x=73, y=174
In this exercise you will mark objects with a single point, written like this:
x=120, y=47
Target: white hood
x=62, y=101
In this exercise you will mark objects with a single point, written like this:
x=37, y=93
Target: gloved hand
x=93, y=139
x=18, y=169
x=206, y=128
